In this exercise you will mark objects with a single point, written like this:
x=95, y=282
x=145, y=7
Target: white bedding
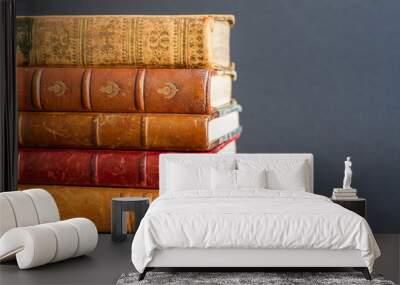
x=250, y=218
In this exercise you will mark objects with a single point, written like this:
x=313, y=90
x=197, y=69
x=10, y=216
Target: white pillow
x=223, y=179
x=184, y=177
x=293, y=179
x=282, y=174
x=251, y=178
x=227, y=179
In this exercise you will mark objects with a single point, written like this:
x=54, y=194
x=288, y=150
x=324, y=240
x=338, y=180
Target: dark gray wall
x=316, y=76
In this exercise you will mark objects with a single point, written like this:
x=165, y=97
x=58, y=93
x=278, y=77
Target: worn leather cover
x=137, y=169
x=115, y=90
x=156, y=41
x=93, y=203
x=116, y=130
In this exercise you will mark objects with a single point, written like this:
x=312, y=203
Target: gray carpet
x=269, y=278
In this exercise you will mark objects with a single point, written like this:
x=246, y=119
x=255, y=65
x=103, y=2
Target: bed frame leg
x=364, y=271
x=143, y=274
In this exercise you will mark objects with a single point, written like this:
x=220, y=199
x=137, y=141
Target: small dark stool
x=120, y=207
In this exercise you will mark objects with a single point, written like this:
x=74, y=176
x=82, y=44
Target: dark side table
x=120, y=208
x=358, y=206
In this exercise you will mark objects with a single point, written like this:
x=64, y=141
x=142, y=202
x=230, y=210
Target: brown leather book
x=190, y=91
x=93, y=203
x=181, y=41
x=128, y=131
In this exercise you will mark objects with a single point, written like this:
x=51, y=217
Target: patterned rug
x=269, y=278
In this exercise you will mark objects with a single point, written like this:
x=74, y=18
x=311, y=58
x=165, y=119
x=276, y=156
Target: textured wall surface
x=315, y=76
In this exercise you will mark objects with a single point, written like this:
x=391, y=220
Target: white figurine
x=348, y=173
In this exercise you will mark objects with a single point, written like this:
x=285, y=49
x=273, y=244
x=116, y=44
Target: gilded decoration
x=58, y=88
x=169, y=90
x=111, y=89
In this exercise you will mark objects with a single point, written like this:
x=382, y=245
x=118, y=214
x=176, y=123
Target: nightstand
x=358, y=206
x=120, y=207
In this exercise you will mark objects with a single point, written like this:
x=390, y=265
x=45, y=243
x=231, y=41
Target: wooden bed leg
x=364, y=271
x=142, y=275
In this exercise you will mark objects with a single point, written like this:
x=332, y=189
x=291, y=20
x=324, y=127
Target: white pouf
x=7, y=220
x=31, y=232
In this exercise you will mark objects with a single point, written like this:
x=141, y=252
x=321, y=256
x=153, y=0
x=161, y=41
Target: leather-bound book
x=93, y=203
x=128, y=130
x=183, y=41
x=190, y=91
x=111, y=168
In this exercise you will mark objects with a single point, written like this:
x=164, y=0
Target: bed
x=247, y=210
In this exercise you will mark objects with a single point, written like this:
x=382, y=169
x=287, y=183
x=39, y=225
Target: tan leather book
x=153, y=41
x=127, y=130
x=93, y=203
x=190, y=91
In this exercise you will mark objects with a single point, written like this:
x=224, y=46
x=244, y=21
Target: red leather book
x=138, y=169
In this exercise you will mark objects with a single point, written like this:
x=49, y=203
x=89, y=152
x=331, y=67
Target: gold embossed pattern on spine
x=57, y=41
x=157, y=41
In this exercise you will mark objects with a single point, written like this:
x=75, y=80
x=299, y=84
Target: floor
x=103, y=266
x=110, y=260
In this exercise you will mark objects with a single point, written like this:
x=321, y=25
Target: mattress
x=250, y=219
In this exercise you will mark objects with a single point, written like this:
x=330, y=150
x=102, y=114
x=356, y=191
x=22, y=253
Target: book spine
x=138, y=169
x=93, y=203
x=114, y=130
x=87, y=168
x=335, y=196
x=345, y=191
x=345, y=194
x=114, y=90
x=153, y=41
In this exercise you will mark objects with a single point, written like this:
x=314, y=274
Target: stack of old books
x=100, y=97
x=344, y=194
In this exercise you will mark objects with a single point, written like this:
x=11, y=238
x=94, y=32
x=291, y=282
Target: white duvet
x=250, y=219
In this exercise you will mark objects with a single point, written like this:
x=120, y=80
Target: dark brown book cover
x=116, y=90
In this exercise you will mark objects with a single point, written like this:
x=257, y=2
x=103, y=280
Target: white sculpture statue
x=348, y=173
